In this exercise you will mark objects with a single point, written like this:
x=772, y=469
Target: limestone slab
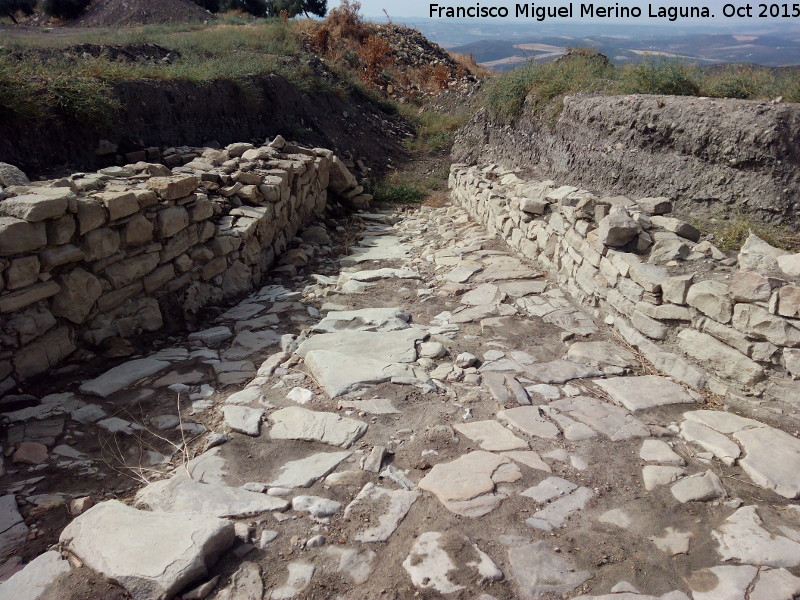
x=645, y=391
x=389, y=346
x=305, y=471
x=379, y=511
x=528, y=420
x=152, y=555
x=122, y=376
x=491, y=435
x=296, y=423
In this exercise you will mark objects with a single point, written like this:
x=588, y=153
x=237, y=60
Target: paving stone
x=444, y=562
x=210, y=337
x=379, y=511
x=656, y=475
x=462, y=273
x=612, y=421
x=31, y=582
x=243, y=419
x=673, y=541
x=645, y=391
x=366, y=319
x=466, y=485
x=760, y=445
x=528, y=420
x=340, y=374
x=711, y=441
x=248, y=343
x=180, y=494
x=355, y=563
x=556, y=513
x=109, y=537
x=385, y=273
x=549, y=489
x=245, y=584
x=560, y=371
x=295, y=423
x=722, y=583
x=660, y=452
x=305, y=471
x=123, y=376
x=389, y=346
x=30, y=453
x=530, y=459
x=601, y=354
x=743, y=539
x=775, y=584
x=298, y=579
x=538, y=571
x=490, y=435
x=616, y=516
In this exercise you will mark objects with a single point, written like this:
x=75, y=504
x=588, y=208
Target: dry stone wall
x=118, y=252
x=704, y=318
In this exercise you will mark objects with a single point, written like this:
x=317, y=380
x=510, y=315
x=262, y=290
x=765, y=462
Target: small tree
x=64, y=9
x=10, y=8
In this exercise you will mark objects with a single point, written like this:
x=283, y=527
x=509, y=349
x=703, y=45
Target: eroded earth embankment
x=703, y=153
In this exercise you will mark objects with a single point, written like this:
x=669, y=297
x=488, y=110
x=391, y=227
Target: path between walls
x=428, y=416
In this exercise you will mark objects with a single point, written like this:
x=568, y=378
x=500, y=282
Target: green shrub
x=541, y=84
x=399, y=193
x=659, y=76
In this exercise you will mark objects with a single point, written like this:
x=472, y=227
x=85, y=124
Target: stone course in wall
x=704, y=318
x=108, y=254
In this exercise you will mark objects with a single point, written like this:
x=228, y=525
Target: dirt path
x=427, y=416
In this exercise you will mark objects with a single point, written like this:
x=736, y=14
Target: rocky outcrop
x=116, y=253
x=707, y=154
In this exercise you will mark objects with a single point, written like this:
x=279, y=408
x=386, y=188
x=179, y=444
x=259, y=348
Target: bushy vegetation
x=539, y=87
x=10, y=8
x=730, y=231
x=267, y=8
x=64, y=9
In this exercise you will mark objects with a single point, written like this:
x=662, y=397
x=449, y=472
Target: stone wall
x=702, y=317
x=118, y=252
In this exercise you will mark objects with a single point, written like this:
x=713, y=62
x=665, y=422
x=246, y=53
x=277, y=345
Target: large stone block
x=44, y=353
x=711, y=298
x=22, y=272
x=18, y=236
x=137, y=231
x=171, y=221
x=119, y=204
x=759, y=323
x=11, y=175
x=720, y=357
x=617, y=229
x=79, y=291
x=172, y=188
x=37, y=207
x=100, y=243
x=60, y=231
x=61, y=255
x=91, y=215
x=20, y=299
x=789, y=301
x=748, y=286
x=126, y=271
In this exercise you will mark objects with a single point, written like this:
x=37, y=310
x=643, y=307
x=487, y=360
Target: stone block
x=137, y=231
x=674, y=289
x=677, y=226
x=61, y=230
x=91, y=215
x=721, y=358
x=748, y=286
x=172, y=188
x=648, y=326
x=126, y=271
x=171, y=221
x=20, y=299
x=79, y=291
x=18, y=236
x=665, y=312
x=711, y=298
x=617, y=229
x=44, y=353
x=145, y=198
x=650, y=277
x=113, y=299
x=61, y=255
x=119, y=204
x=789, y=301
x=201, y=210
x=791, y=358
x=22, y=272
x=100, y=243
x=37, y=207
x=158, y=278
x=759, y=323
